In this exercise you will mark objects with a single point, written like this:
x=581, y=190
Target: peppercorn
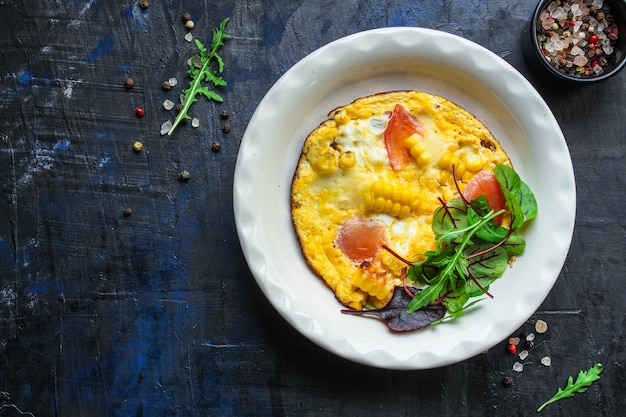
x=224, y=114
x=139, y=112
x=508, y=381
x=167, y=85
x=179, y=107
x=127, y=212
x=189, y=24
x=144, y=4
x=137, y=146
x=512, y=349
x=216, y=147
x=184, y=176
x=129, y=83
x=186, y=17
x=226, y=127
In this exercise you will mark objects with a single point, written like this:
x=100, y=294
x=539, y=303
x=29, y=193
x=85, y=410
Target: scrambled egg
x=344, y=185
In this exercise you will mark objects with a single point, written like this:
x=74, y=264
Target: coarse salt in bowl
x=577, y=41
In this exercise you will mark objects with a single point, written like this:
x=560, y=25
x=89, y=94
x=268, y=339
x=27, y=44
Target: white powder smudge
x=8, y=297
x=104, y=161
x=67, y=86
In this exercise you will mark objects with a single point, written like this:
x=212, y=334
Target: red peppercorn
x=593, y=38
x=592, y=46
x=512, y=349
x=139, y=111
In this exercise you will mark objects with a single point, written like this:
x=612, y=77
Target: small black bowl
x=537, y=62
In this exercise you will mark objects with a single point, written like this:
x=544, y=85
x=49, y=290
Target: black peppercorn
x=216, y=146
x=144, y=4
x=127, y=212
x=167, y=85
x=129, y=83
x=186, y=17
x=226, y=127
x=508, y=381
x=224, y=114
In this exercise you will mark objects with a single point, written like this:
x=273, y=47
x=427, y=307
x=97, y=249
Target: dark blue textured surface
x=157, y=314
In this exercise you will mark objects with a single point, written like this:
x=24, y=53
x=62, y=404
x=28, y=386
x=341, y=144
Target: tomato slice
x=360, y=239
x=401, y=125
x=485, y=183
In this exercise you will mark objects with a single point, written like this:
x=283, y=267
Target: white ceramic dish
x=382, y=60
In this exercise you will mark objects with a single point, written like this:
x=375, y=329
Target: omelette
x=368, y=181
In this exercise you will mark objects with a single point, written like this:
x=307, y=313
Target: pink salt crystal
x=576, y=51
x=580, y=60
x=558, y=13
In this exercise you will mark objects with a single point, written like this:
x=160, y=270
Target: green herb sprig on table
x=204, y=72
x=583, y=381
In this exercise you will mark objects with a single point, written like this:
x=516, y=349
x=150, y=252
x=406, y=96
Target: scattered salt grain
x=523, y=354
x=168, y=104
x=195, y=122
x=165, y=127
x=530, y=337
x=541, y=326
x=518, y=367
x=546, y=361
x=188, y=37
x=173, y=82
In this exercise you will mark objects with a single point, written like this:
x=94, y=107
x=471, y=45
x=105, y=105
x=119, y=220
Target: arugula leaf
x=203, y=72
x=583, y=381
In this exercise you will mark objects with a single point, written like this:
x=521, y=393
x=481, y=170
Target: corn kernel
x=475, y=163
x=405, y=211
x=405, y=197
x=383, y=197
x=444, y=161
x=454, y=160
x=326, y=163
x=424, y=158
x=369, y=201
x=379, y=204
x=387, y=190
x=377, y=187
x=347, y=159
x=372, y=283
x=388, y=206
x=395, y=209
x=467, y=176
x=411, y=141
x=460, y=169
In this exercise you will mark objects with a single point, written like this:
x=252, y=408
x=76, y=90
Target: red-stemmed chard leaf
x=396, y=316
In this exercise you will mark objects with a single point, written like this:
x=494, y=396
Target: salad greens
x=583, y=381
x=200, y=70
x=472, y=250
